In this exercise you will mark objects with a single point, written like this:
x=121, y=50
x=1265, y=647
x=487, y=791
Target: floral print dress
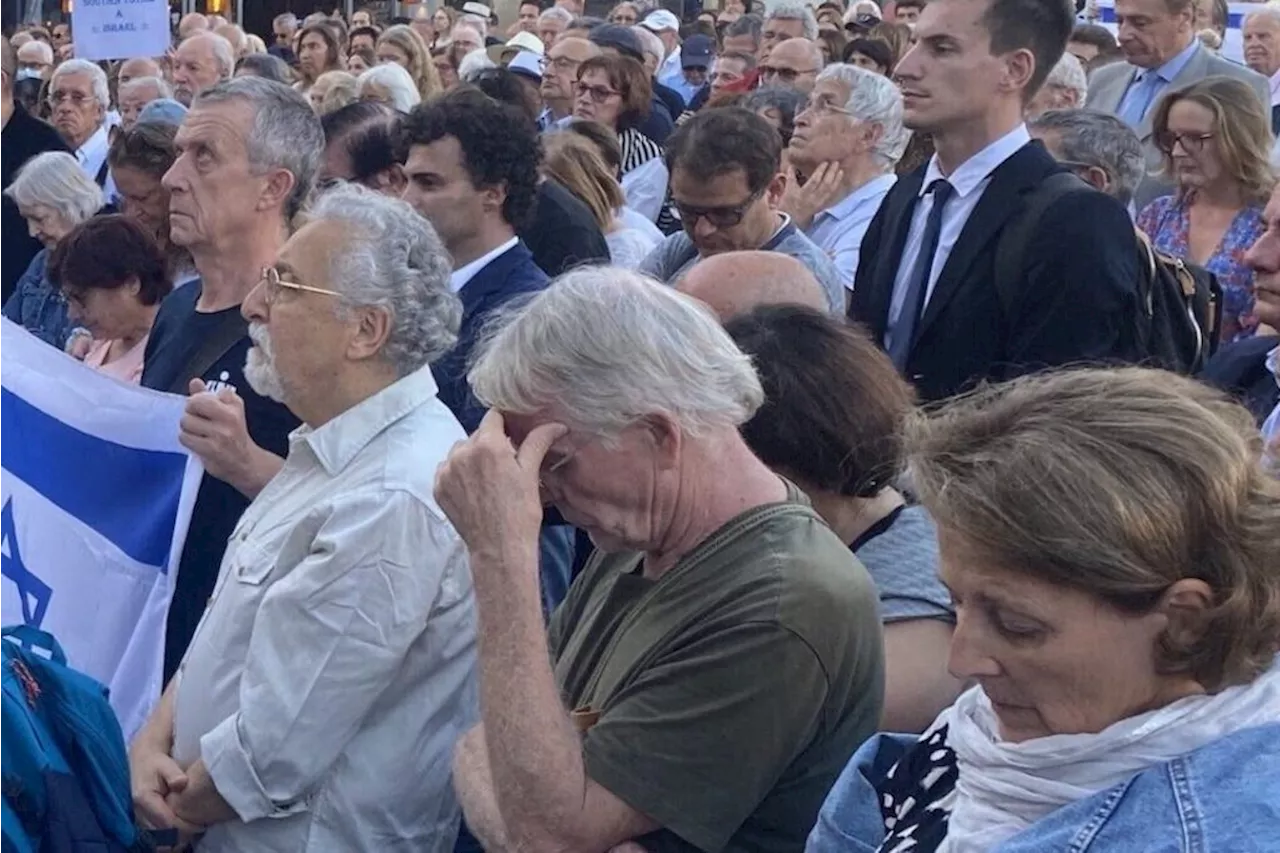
x=1167, y=221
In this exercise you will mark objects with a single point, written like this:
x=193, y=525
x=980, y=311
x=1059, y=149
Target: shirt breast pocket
x=252, y=566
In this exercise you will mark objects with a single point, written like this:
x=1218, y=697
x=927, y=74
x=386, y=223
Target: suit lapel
x=1001, y=200
x=896, y=229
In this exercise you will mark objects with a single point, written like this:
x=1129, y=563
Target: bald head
x=793, y=64
x=736, y=282
x=201, y=61
x=192, y=24
x=139, y=67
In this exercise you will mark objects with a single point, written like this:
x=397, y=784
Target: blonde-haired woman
x=576, y=164
x=401, y=45
x=1215, y=136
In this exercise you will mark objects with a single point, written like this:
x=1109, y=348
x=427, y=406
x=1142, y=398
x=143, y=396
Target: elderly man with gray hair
x=1065, y=88
x=720, y=654
x=80, y=98
x=319, y=705
x=847, y=140
x=786, y=19
x=1097, y=146
x=136, y=94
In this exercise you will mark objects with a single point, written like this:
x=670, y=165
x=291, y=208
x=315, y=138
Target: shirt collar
x=874, y=188
x=95, y=147
x=1174, y=66
x=337, y=442
x=464, y=274
x=1273, y=363
x=1275, y=88
x=972, y=172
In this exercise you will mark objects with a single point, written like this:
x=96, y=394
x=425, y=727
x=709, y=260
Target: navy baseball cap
x=697, y=52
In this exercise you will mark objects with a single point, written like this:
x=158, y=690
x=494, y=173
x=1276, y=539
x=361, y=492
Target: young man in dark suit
x=926, y=284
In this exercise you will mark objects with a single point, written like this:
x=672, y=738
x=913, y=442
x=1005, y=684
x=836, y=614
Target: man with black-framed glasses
x=1097, y=146
x=726, y=187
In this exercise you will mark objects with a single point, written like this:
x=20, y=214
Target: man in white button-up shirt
x=80, y=99
x=848, y=138
x=321, y=697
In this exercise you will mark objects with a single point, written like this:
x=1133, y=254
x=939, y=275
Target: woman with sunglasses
x=616, y=91
x=1215, y=138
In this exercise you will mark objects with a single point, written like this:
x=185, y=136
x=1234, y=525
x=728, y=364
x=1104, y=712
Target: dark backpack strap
x=211, y=349
x=1014, y=240
x=101, y=179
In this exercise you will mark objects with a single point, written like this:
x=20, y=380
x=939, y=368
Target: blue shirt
x=839, y=229
x=1164, y=74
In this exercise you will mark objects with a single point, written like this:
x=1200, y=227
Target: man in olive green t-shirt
x=718, y=661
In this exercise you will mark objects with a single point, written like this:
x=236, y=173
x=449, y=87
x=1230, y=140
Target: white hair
x=1069, y=74
x=56, y=181
x=792, y=10
x=97, y=79
x=874, y=98
x=476, y=23
x=556, y=13
x=473, y=63
x=43, y=48
x=1266, y=10
x=223, y=53
x=608, y=347
x=161, y=86
x=285, y=133
x=393, y=259
x=650, y=43
x=399, y=85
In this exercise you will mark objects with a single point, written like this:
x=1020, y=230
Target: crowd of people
x=774, y=430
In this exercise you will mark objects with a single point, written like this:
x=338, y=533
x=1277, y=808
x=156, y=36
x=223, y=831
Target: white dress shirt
x=969, y=181
x=839, y=229
x=334, y=669
x=92, y=156
x=1275, y=89
x=645, y=187
x=466, y=272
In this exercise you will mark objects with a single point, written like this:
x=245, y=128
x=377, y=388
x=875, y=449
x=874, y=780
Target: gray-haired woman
x=54, y=195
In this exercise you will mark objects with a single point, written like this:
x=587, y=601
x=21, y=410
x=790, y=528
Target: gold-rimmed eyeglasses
x=274, y=284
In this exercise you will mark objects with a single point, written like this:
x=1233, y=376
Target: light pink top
x=127, y=368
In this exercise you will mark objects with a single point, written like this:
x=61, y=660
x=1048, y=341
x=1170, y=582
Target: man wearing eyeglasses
x=793, y=64
x=726, y=187
x=340, y=641
x=79, y=99
x=847, y=140
x=560, y=76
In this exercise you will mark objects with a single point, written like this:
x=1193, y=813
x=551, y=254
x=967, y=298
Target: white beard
x=260, y=367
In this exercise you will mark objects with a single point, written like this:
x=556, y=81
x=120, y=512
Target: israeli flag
x=95, y=497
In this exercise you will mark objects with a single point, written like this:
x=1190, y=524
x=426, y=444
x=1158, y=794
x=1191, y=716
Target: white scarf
x=1002, y=788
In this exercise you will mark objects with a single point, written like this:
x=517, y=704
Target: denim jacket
x=1221, y=798
x=37, y=307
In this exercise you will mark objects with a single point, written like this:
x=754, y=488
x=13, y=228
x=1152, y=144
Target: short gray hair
x=610, y=346
x=556, y=13
x=793, y=10
x=97, y=78
x=399, y=85
x=56, y=181
x=393, y=259
x=1069, y=74
x=1098, y=139
x=285, y=134
x=875, y=99
x=1265, y=10
x=287, y=19
x=650, y=43
x=473, y=63
x=163, y=90
x=224, y=53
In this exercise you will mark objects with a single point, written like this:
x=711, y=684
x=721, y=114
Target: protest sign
x=95, y=499
x=120, y=29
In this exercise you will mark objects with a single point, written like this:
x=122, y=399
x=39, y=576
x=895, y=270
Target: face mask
x=27, y=74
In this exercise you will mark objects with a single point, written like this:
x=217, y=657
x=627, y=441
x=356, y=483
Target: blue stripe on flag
x=129, y=496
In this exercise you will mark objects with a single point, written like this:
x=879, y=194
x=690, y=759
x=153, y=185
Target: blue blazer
x=511, y=274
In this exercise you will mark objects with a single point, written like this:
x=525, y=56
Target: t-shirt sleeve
x=702, y=737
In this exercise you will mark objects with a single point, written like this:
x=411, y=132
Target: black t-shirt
x=176, y=340
x=24, y=137
x=562, y=233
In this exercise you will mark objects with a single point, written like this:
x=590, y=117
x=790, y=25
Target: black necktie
x=904, y=330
